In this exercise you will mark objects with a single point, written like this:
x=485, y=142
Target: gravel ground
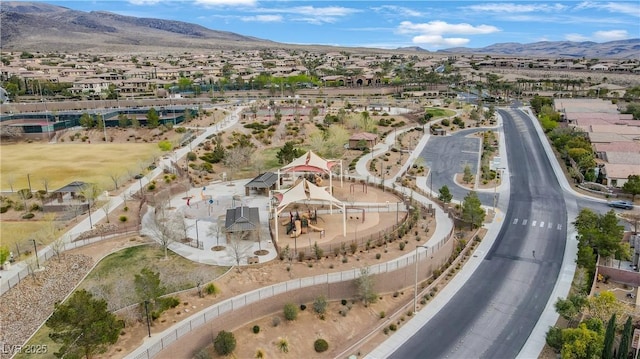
x=31, y=302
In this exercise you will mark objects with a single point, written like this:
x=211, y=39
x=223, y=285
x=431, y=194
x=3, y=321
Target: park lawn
x=18, y=232
x=121, y=266
x=64, y=163
x=439, y=112
x=118, y=269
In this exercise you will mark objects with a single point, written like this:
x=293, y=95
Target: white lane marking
x=541, y=224
x=559, y=226
x=533, y=224
x=515, y=221
x=524, y=222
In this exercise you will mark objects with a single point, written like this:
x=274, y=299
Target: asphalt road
x=448, y=156
x=492, y=315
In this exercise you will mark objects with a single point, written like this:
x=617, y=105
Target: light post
x=35, y=249
x=197, y=235
x=415, y=297
x=397, y=210
x=146, y=310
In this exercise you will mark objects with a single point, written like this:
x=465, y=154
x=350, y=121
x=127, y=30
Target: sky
x=390, y=24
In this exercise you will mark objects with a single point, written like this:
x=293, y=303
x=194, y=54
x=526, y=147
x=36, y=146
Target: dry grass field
x=60, y=164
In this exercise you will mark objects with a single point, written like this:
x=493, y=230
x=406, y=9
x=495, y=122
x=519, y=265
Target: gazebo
x=242, y=219
x=306, y=191
x=311, y=162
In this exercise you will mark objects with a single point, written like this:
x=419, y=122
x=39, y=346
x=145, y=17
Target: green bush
x=191, y=156
x=320, y=345
x=4, y=209
x=225, y=343
x=28, y=215
x=122, y=219
x=290, y=311
x=320, y=304
x=255, y=329
x=211, y=289
x=393, y=327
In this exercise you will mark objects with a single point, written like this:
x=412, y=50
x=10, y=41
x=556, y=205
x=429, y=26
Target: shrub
x=320, y=304
x=151, y=187
x=122, y=219
x=202, y=354
x=402, y=244
x=320, y=345
x=275, y=321
x=393, y=327
x=34, y=207
x=382, y=314
x=225, y=343
x=290, y=311
x=125, y=208
x=283, y=345
x=255, y=329
x=28, y=215
x=211, y=289
x=343, y=302
x=303, y=307
x=378, y=255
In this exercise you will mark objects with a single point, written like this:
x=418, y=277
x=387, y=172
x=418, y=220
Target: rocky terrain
x=37, y=26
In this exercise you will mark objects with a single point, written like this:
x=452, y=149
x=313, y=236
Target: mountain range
x=37, y=26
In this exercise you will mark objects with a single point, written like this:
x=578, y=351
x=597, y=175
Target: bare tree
x=115, y=178
x=106, y=206
x=237, y=157
x=90, y=192
x=183, y=226
x=199, y=276
x=75, y=209
x=237, y=247
x=163, y=229
x=45, y=183
x=57, y=246
x=11, y=180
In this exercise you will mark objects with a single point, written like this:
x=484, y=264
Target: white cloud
x=437, y=41
x=611, y=35
x=516, y=8
x=576, y=37
x=311, y=14
x=600, y=36
x=144, y=2
x=226, y=2
x=627, y=8
x=397, y=11
x=262, y=18
x=438, y=27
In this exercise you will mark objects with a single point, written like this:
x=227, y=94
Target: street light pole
x=415, y=296
x=146, y=310
x=35, y=249
x=197, y=235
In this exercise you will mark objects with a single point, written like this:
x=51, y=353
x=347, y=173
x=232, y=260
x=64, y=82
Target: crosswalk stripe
x=533, y=224
x=541, y=224
x=515, y=221
x=550, y=225
x=524, y=222
x=559, y=226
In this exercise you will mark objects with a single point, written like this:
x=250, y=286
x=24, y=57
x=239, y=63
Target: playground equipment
x=317, y=180
x=298, y=229
x=317, y=229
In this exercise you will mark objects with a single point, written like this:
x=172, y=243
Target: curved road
x=492, y=315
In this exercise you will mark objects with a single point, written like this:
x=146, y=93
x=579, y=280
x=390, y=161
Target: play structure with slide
x=300, y=223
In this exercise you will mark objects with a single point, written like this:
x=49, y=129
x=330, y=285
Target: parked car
x=621, y=204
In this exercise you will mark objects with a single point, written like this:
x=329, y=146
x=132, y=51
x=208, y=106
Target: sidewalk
x=19, y=270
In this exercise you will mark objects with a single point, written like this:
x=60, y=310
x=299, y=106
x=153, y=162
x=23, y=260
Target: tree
x=83, y=326
x=632, y=186
x=148, y=287
x=472, y=211
x=609, y=337
x=581, y=343
x=572, y=306
x=237, y=248
x=366, y=287
x=625, y=340
x=90, y=192
x=604, y=306
x=165, y=145
x=225, y=343
x=87, y=121
x=153, y=120
x=467, y=176
x=288, y=153
x=445, y=195
x=163, y=229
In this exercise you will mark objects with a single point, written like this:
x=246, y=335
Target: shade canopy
x=309, y=162
x=304, y=190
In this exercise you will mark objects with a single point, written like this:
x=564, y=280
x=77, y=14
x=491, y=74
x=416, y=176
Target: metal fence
x=243, y=300
x=49, y=251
